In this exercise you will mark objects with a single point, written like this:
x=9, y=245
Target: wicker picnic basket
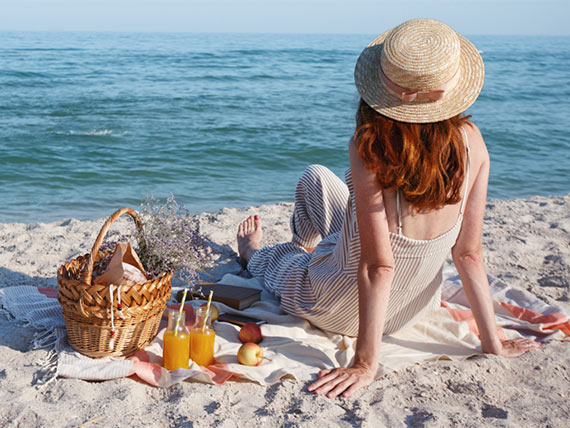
x=87, y=307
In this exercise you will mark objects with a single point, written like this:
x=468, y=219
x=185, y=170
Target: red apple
x=214, y=312
x=250, y=354
x=250, y=332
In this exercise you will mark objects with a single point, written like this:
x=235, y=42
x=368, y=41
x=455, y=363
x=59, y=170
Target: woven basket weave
x=87, y=307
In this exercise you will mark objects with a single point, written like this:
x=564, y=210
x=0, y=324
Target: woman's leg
x=320, y=205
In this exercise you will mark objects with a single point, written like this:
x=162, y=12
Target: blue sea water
x=90, y=122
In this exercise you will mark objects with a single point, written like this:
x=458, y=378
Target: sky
x=471, y=17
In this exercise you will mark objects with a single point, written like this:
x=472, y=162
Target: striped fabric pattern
x=321, y=287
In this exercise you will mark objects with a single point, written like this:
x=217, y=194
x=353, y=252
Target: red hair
x=426, y=161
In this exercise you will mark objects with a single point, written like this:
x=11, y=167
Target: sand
x=526, y=242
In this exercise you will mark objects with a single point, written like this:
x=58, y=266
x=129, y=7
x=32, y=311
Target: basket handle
x=87, y=276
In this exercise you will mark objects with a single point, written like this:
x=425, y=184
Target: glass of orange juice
x=202, y=337
x=176, y=342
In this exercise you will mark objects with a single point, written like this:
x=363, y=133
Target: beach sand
x=526, y=243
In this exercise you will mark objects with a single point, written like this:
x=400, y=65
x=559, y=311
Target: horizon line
x=256, y=33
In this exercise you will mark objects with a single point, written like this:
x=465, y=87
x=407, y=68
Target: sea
x=91, y=122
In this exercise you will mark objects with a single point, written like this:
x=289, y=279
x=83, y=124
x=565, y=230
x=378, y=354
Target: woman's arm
x=375, y=273
x=468, y=256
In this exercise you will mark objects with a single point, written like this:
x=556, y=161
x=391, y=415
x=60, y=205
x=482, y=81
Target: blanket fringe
x=45, y=339
x=6, y=313
x=48, y=371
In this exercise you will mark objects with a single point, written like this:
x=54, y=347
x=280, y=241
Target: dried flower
x=170, y=241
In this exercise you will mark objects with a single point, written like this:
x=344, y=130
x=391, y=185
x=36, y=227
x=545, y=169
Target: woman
x=366, y=257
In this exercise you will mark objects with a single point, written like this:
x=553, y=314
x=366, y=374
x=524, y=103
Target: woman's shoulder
x=477, y=147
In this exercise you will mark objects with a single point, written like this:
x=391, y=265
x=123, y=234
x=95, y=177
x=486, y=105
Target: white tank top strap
x=399, y=210
x=466, y=182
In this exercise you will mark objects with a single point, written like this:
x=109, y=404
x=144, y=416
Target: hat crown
x=421, y=54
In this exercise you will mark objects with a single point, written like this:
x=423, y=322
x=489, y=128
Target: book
x=232, y=295
x=240, y=320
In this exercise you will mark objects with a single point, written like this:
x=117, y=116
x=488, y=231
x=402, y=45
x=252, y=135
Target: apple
x=214, y=312
x=250, y=332
x=250, y=354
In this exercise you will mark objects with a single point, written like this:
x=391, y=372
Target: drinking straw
x=180, y=312
x=207, y=310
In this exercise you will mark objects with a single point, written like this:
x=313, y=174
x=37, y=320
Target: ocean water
x=90, y=122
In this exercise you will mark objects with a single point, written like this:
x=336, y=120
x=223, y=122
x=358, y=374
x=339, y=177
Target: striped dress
x=321, y=287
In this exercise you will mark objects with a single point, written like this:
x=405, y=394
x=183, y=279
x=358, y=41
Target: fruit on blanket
x=250, y=354
x=214, y=312
x=250, y=332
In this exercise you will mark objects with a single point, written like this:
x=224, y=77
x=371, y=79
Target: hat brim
x=456, y=100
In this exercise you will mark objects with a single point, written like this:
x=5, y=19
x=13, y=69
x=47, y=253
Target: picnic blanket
x=295, y=348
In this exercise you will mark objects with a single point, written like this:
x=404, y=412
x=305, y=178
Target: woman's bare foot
x=249, y=238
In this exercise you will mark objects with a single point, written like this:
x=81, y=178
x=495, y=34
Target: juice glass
x=202, y=337
x=176, y=342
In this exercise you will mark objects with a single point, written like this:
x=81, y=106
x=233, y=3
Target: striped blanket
x=295, y=348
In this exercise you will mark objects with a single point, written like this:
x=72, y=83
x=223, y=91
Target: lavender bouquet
x=170, y=241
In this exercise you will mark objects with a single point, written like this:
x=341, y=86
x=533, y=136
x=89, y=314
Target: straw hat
x=421, y=71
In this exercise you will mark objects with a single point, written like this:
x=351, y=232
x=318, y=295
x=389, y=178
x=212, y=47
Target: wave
x=93, y=133
x=46, y=49
x=25, y=74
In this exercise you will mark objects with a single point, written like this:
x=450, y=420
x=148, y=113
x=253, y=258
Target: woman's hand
x=342, y=380
x=514, y=347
